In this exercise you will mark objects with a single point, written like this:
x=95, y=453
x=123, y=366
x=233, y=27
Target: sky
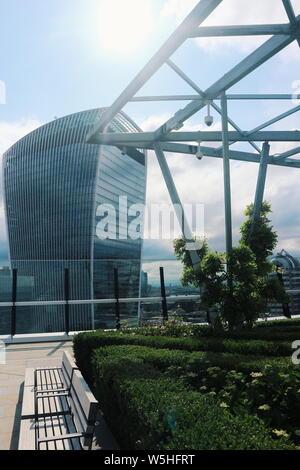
x=63, y=57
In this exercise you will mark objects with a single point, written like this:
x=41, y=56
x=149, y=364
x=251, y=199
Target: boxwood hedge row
x=285, y=332
x=196, y=361
x=147, y=410
x=281, y=323
x=86, y=343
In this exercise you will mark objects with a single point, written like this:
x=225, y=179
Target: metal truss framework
x=165, y=140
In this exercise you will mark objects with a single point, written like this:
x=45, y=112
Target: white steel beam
x=275, y=119
x=226, y=175
x=246, y=66
x=142, y=99
x=288, y=153
x=247, y=30
x=292, y=17
x=261, y=181
x=179, y=210
x=213, y=152
x=181, y=74
x=201, y=136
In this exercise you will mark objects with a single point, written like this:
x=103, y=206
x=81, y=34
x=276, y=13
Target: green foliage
x=148, y=410
x=288, y=325
x=259, y=237
x=242, y=292
x=195, y=391
x=282, y=330
x=270, y=394
x=85, y=343
x=196, y=362
x=182, y=253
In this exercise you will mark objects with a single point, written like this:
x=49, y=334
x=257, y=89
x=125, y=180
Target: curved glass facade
x=54, y=181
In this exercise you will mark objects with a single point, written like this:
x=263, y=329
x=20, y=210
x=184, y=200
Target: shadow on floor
x=58, y=347
x=17, y=421
x=103, y=440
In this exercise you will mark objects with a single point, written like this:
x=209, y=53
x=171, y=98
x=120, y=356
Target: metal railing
x=66, y=303
x=162, y=312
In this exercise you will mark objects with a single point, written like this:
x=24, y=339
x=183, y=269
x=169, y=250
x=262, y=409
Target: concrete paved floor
x=18, y=357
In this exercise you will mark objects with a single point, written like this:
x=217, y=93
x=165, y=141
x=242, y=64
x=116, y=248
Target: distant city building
x=54, y=182
x=290, y=270
x=145, y=287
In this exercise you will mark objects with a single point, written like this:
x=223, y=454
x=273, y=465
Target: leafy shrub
x=268, y=390
x=170, y=328
x=147, y=410
x=197, y=361
x=85, y=343
x=289, y=332
x=279, y=323
x=270, y=394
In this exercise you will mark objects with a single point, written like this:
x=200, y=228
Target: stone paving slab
x=18, y=357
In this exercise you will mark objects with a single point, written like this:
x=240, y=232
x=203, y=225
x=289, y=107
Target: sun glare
x=124, y=24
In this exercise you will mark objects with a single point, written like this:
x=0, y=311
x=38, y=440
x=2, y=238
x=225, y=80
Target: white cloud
x=153, y=122
x=234, y=12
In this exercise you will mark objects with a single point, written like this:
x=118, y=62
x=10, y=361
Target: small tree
x=259, y=236
x=242, y=292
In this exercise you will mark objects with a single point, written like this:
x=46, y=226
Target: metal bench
x=58, y=410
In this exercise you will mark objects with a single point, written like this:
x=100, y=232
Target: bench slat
x=83, y=393
x=27, y=435
x=84, y=406
x=29, y=377
x=68, y=366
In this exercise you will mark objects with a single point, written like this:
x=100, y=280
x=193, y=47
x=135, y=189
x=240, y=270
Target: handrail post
x=117, y=296
x=163, y=294
x=67, y=298
x=14, y=299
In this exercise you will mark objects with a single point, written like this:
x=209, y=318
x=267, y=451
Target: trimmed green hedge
x=290, y=334
x=86, y=343
x=147, y=410
x=281, y=323
x=283, y=332
x=197, y=361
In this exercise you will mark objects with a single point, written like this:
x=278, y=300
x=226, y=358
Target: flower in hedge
x=213, y=370
x=203, y=388
x=264, y=407
x=212, y=393
x=283, y=376
x=256, y=374
x=224, y=405
x=280, y=433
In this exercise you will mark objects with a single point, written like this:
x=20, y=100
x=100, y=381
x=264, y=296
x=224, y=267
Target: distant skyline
x=58, y=58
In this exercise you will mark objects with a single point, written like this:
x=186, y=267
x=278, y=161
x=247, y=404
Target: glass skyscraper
x=54, y=183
